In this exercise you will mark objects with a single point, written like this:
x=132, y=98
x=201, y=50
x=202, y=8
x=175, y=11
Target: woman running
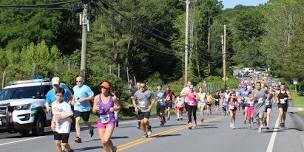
x=169, y=101
x=209, y=103
x=104, y=105
x=232, y=109
x=250, y=111
x=192, y=107
x=268, y=103
x=201, y=103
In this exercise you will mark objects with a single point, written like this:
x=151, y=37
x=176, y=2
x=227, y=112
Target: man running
x=143, y=101
x=133, y=90
x=283, y=97
x=259, y=96
x=161, y=105
x=83, y=95
x=51, y=94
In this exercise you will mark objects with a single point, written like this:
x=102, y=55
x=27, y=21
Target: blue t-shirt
x=51, y=95
x=80, y=93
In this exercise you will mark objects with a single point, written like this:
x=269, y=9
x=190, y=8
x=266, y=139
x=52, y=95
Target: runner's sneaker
x=190, y=125
x=138, y=125
x=78, y=140
x=149, y=131
x=260, y=129
x=91, y=132
x=114, y=148
x=145, y=135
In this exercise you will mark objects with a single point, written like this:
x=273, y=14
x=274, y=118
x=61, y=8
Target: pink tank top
x=192, y=99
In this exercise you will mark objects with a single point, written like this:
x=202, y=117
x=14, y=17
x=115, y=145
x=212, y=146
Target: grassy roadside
x=298, y=101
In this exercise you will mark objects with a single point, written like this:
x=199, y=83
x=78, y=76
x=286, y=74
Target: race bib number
x=104, y=118
x=260, y=100
x=283, y=101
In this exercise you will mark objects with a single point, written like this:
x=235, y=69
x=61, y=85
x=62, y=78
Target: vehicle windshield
x=22, y=92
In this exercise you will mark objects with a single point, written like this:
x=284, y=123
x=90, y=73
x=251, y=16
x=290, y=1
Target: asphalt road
x=214, y=136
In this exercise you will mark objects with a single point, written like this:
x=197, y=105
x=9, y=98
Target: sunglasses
x=103, y=87
x=78, y=81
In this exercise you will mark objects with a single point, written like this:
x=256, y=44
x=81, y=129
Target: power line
x=36, y=5
x=143, y=42
x=132, y=21
x=54, y=5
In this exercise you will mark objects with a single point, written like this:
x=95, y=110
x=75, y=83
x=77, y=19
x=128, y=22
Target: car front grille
x=3, y=110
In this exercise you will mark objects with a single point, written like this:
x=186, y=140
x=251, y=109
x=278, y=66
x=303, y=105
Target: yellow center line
x=154, y=136
x=140, y=139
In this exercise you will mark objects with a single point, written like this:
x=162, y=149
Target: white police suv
x=22, y=106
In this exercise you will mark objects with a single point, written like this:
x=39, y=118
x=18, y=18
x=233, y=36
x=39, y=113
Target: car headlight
x=23, y=107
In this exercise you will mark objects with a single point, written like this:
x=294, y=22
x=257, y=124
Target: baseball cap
x=55, y=81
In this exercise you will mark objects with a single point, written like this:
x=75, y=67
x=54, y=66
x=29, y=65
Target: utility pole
x=208, y=43
x=3, y=79
x=224, y=57
x=84, y=22
x=186, y=40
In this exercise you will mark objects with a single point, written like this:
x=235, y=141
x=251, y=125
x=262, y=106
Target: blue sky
x=232, y=3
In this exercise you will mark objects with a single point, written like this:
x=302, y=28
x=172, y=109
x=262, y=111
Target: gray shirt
x=259, y=94
x=143, y=100
x=160, y=97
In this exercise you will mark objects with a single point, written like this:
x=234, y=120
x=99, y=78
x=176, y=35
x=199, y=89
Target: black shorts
x=268, y=107
x=160, y=109
x=64, y=137
x=168, y=104
x=84, y=115
x=283, y=106
x=142, y=115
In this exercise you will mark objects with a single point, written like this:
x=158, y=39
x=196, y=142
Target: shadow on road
x=169, y=135
x=88, y=148
x=127, y=126
x=172, y=125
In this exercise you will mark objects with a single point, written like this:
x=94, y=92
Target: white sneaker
x=260, y=129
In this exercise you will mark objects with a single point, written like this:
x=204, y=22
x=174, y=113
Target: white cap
x=55, y=81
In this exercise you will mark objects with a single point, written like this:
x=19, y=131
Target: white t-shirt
x=63, y=108
x=186, y=91
x=202, y=97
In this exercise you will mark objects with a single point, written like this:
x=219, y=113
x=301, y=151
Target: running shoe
x=149, y=133
x=260, y=129
x=145, y=135
x=91, y=132
x=114, y=148
x=138, y=125
x=190, y=125
x=77, y=140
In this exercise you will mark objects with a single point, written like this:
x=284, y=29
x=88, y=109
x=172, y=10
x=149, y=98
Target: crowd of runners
x=253, y=99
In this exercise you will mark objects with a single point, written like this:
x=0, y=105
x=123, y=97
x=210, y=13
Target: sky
x=232, y=3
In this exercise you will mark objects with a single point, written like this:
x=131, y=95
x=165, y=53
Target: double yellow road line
x=142, y=140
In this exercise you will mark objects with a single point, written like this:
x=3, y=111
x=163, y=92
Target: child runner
x=61, y=121
x=179, y=106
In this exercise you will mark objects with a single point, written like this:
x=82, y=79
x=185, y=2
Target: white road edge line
x=273, y=136
x=28, y=139
x=20, y=140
